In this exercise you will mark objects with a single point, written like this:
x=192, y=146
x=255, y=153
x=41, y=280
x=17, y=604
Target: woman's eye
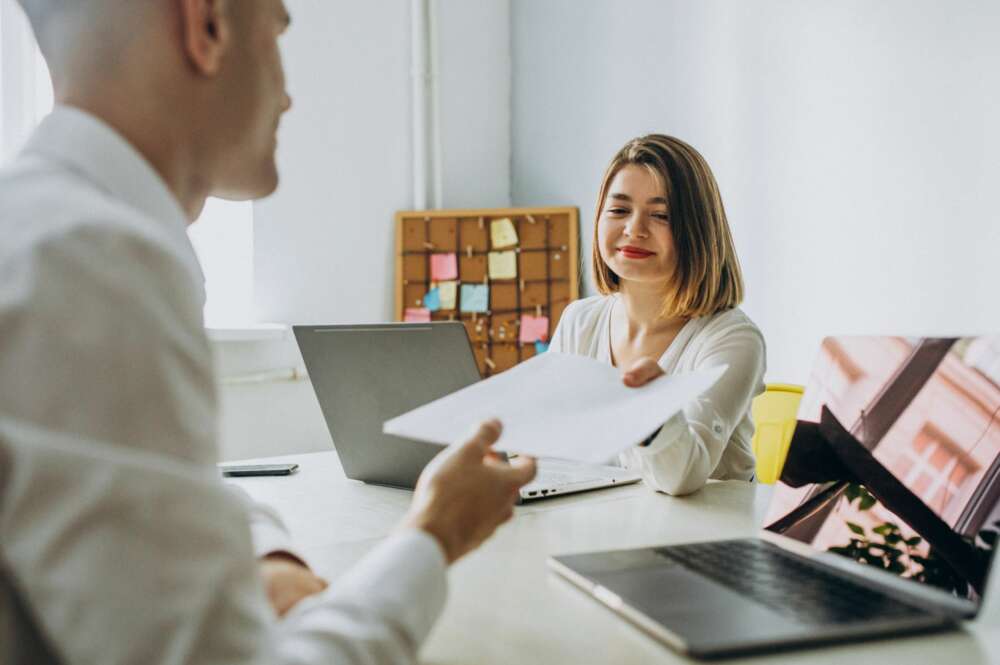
x=663, y=217
x=617, y=211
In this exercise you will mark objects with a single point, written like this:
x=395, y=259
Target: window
x=223, y=235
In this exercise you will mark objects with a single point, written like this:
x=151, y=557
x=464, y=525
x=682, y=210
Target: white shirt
x=711, y=437
x=118, y=541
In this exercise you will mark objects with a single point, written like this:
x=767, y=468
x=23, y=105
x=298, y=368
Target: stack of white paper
x=557, y=405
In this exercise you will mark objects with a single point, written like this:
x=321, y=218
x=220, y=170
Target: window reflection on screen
x=926, y=409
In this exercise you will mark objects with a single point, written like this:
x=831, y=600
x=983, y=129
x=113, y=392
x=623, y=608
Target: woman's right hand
x=642, y=371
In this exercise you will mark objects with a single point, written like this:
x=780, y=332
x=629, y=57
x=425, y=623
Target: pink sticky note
x=417, y=315
x=443, y=267
x=534, y=328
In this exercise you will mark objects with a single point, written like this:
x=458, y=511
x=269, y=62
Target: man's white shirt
x=118, y=541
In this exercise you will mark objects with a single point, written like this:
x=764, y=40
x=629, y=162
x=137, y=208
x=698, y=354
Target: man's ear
x=205, y=33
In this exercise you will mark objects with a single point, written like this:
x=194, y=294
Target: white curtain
x=223, y=236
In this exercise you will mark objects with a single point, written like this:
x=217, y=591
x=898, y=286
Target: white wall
x=323, y=243
x=856, y=144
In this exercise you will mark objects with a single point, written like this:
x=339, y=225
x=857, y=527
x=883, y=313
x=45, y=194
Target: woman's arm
x=687, y=449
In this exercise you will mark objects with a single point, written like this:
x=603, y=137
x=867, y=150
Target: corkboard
x=547, y=267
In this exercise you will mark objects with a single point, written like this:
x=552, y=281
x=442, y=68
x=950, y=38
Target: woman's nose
x=635, y=227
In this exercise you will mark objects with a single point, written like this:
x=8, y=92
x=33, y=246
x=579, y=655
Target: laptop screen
x=911, y=484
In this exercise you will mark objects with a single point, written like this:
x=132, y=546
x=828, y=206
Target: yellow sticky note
x=448, y=292
x=502, y=233
x=503, y=265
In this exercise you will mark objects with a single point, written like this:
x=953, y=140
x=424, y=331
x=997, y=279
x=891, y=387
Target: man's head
x=197, y=85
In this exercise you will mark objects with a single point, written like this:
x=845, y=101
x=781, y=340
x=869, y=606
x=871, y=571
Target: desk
x=504, y=606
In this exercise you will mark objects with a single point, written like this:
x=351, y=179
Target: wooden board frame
x=496, y=347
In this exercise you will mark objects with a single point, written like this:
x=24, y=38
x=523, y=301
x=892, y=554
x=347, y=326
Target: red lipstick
x=630, y=252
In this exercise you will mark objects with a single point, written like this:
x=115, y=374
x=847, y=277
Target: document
x=557, y=405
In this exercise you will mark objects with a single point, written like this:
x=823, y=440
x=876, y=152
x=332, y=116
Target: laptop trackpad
x=697, y=609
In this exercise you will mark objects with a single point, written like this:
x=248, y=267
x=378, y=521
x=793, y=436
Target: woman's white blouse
x=711, y=437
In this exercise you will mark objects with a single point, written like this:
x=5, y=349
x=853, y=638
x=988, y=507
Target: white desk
x=504, y=606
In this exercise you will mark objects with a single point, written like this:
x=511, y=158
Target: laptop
x=364, y=375
x=907, y=550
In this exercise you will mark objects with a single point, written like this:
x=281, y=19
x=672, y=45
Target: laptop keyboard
x=787, y=584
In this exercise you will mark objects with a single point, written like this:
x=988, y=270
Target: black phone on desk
x=241, y=470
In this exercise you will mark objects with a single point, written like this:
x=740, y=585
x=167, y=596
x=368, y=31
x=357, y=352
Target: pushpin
x=468, y=251
x=538, y=311
x=429, y=245
x=490, y=363
x=531, y=219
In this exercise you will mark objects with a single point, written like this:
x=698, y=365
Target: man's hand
x=287, y=581
x=642, y=371
x=466, y=492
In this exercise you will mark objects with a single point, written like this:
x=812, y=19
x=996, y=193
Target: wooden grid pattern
x=548, y=272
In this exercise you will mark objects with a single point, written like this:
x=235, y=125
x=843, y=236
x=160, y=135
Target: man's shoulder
x=51, y=219
x=40, y=205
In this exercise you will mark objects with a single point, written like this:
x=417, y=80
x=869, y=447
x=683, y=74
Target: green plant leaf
x=856, y=528
x=867, y=502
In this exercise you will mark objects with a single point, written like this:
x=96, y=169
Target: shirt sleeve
x=95, y=535
x=682, y=456
x=562, y=337
x=112, y=513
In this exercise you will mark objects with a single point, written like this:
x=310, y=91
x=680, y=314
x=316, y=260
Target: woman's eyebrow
x=657, y=199
x=619, y=196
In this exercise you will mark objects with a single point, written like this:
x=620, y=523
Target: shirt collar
x=95, y=151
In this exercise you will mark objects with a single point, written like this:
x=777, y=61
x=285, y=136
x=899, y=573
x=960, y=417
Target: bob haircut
x=707, y=278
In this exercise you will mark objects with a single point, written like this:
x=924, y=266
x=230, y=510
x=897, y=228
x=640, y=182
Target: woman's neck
x=643, y=308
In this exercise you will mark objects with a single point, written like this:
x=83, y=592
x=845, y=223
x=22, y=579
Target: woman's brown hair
x=707, y=278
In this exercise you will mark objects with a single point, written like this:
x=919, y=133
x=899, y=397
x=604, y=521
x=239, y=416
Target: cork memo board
x=506, y=273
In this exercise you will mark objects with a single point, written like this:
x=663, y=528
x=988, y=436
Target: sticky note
x=502, y=233
x=443, y=267
x=448, y=292
x=534, y=328
x=417, y=315
x=541, y=347
x=432, y=301
x=475, y=297
x=503, y=265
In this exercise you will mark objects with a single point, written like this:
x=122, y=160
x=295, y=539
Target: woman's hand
x=642, y=371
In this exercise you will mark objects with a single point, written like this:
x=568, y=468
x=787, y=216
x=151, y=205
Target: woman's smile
x=632, y=252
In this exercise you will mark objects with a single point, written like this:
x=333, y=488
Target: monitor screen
x=926, y=410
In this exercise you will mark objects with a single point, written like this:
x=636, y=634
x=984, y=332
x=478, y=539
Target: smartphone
x=236, y=470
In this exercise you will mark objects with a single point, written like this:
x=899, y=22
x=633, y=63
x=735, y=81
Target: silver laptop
x=364, y=375
x=884, y=521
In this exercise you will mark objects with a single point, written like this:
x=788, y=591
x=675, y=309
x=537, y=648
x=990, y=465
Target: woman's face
x=633, y=230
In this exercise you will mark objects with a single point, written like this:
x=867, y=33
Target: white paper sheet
x=557, y=405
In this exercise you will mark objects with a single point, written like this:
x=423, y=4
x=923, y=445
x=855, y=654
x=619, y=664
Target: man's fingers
x=642, y=372
x=485, y=436
x=520, y=471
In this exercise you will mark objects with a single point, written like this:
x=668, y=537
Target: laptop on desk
x=364, y=375
x=908, y=550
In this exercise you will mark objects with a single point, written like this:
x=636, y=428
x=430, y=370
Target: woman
x=664, y=262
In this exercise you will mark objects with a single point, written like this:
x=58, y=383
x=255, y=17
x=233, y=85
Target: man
x=118, y=542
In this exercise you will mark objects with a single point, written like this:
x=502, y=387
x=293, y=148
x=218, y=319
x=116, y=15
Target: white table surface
x=505, y=606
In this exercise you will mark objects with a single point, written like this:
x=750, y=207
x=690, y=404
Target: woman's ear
x=205, y=33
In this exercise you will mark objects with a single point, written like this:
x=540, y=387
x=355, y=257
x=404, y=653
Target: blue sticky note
x=432, y=300
x=541, y=347
x=474, y=298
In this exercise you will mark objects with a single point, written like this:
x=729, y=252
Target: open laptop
x=834, y=563
x=364, y=375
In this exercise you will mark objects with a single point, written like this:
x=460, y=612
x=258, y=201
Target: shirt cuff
x=670, y=432
x=416, y=565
